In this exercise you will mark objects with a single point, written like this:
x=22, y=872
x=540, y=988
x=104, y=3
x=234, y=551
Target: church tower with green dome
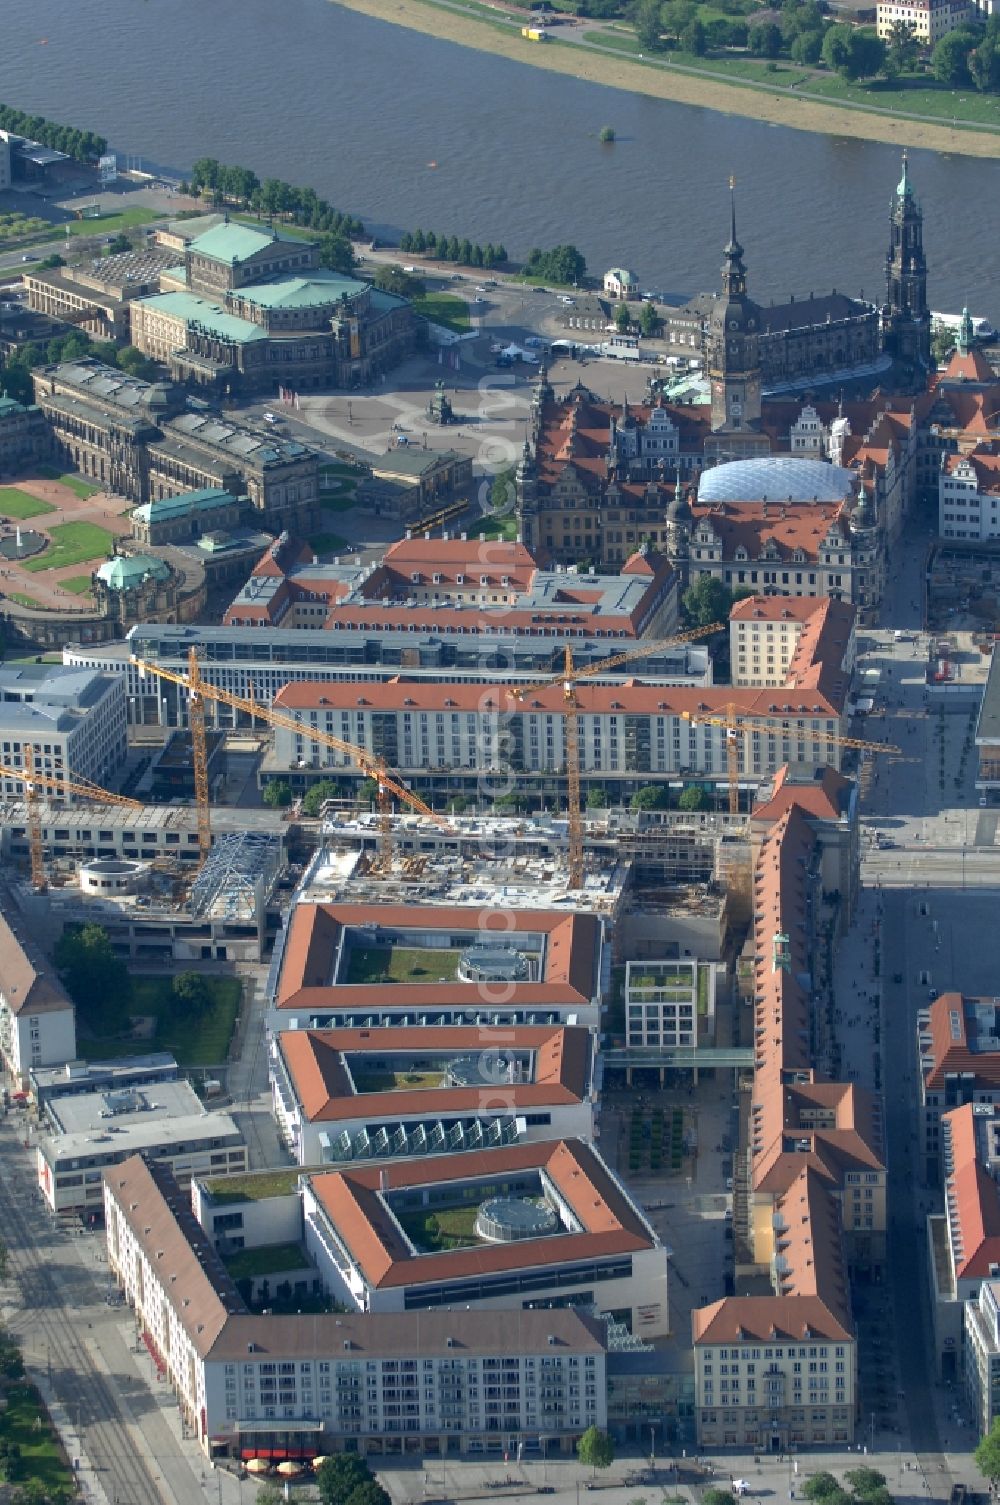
x=906, y=316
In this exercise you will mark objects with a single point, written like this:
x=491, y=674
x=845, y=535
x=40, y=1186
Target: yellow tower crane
x=202, y=690
x=738, y=726
x=571, y=726
x=33, y=780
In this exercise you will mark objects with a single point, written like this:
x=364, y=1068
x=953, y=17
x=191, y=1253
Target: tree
x=707, y=600
x=10, y=1460
x=338, y=1477
x=651, y=797
x=820, y=1486
x=717, y=1497
x=902, y=47
x=50, y=263
x=97, y=980
x=392, y=279
x=647, y=25
x=853, y=53
x=765, y=40
x=983, y=64
x=316, y=797
x=369, y=1492
x=950, y=58
x=336, y=254
x=864, y=1481
x=277, y=794
x=269, y=1493
x=597, y=797
x=676, y=14
x=807, y=48
x=623, y=318
x=987, y=1454
x=649, y=319
x=694, y=798
x=119, y=245
x=191, y=993
x=595, y=1449
x=134, y=363
x=503, y=492
x=693, y=38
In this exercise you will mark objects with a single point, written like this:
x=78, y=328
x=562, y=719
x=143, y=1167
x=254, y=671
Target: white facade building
x=589, y=1245
x=341, y=1096
x=302, y=1386
x=94, y=1130
x=666, y=1002
x=72, y=720
x=969, y=494
x=929, y=20
x=37, y=1018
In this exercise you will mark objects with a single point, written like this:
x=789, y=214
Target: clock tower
x=733, y=358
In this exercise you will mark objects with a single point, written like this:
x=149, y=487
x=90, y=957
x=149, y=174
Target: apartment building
x=347, y=1095
x=958, y=1054
x=964, y=1240
x=71, y=721
x=90, y=1131
x=530, y=1225
x=37, y=1018
x=981, y=1370
x=929, y=20
x=774, y=639
x=273, y=1387
x=446, y=738
x=780, y=1372
x=969, y=493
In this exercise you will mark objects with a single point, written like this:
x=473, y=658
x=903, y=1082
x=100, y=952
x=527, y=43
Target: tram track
x=48, y=1321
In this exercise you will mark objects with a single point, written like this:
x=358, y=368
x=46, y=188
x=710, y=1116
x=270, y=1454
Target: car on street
x=932, y=994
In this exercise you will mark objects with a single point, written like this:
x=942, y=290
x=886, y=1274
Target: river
x=405, y=130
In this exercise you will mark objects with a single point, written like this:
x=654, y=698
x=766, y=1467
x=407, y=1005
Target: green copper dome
x=126, y=571
x=903, y=186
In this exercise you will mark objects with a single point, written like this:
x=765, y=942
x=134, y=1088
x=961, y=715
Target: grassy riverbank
x=667, y=82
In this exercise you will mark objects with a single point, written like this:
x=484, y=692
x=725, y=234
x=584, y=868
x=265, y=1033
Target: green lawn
x=268, y=1260
x=22, y=599
x=78, y=584
x=111, y=224
x=342, y=502
x=439, y=1227
x=444, y=309
x=72, y=543
x=504, y=527
x=396, y=1081
x=373, y=964
x=21, y=504
x=76, y=483
x=326, y=543
x=23, y=1421
x=199, y=1042
x=255, y=1186
x=18, y=226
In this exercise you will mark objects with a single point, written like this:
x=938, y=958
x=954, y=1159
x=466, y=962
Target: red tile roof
x=320, y=1064
x=972, y=1198
x=963, y=1044
x=315, y=932
x=354, y=1201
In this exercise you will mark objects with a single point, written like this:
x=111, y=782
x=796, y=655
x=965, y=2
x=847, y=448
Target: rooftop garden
x=396, y=1081
x=255, y=1186
x=269, y=1259
x=431, y=1229
x=415, y=964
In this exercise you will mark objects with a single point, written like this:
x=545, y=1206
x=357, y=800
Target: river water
x=405, y=130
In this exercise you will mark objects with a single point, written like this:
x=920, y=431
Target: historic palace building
x=252, y=310
x=142, y=440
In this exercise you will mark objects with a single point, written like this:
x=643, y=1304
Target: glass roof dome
x=776, y=478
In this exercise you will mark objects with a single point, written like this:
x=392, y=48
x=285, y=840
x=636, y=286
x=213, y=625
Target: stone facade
x=256, y=312
x=25, y=438
x=139, y=440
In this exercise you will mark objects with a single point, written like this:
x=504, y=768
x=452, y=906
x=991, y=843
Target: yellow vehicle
x=534, y=34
